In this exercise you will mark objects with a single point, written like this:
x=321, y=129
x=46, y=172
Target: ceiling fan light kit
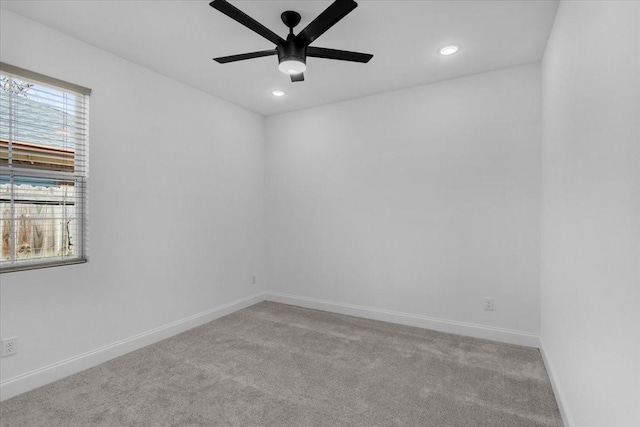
x=292, y=66
x=293, y=52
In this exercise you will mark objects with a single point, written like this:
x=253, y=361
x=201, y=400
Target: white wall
x=421, y=201
x=590, y=328
x=176, y=207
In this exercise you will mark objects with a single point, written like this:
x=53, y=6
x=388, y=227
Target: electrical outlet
x=9, y=346
x=489, y=304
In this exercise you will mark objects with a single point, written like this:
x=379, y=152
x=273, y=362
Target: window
x=43, y=170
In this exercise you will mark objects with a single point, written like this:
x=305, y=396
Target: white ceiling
x=179, y=38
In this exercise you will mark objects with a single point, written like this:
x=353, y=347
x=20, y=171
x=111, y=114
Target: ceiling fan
x=293, y=52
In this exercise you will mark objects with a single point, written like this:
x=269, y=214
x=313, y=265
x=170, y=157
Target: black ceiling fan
x=293, y=52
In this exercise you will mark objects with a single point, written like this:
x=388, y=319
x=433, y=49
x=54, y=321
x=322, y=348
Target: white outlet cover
x=9, y=346
x=489, y=304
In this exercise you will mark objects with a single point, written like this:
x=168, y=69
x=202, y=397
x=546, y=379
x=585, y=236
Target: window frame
x=20, y=170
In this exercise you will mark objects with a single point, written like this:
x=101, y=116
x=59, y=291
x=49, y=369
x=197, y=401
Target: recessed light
x=449, y=50
x=277, y=93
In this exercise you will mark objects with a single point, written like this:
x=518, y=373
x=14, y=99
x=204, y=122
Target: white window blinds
x=43, y=170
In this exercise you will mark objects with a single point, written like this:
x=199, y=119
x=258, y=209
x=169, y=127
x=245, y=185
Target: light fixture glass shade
x=292, y=67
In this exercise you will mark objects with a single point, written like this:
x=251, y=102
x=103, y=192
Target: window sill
x=39, y=265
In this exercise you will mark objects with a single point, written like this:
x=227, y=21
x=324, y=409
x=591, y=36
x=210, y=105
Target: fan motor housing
x=290, y=51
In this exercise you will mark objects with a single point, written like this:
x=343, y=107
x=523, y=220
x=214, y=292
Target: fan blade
x=297, y=77
x=327, y=19
x=243, y=56
x=341, y=55
x=238, y=15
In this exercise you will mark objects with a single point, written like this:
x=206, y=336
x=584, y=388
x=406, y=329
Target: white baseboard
x=39, y=377
x=436, y=324
x=567, y=419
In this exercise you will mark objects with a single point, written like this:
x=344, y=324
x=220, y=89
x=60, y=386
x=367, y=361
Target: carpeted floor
x=278, y=365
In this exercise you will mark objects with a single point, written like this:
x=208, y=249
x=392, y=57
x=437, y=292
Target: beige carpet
x=278, y=365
